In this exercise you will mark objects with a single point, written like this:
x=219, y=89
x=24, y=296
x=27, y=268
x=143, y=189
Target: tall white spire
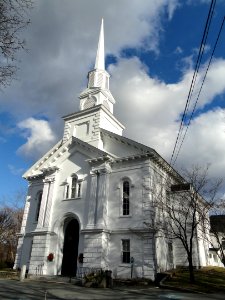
x=97, y=91
x=100, y=57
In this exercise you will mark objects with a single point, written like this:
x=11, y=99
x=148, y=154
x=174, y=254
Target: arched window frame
x=89, y=102
x=125, y=197
x=73, y=187
x=38, y=205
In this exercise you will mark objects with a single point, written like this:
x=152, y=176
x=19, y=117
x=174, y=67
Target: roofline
x=150, y=152
x=125, y=138
x=43, y=158
x=41, y=171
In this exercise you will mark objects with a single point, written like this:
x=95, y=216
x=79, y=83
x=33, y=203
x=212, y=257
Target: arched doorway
x=70, y=248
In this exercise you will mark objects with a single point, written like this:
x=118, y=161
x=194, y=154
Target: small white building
x=217, y=240
x=92, y=195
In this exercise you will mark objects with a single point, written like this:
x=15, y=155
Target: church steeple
x=99, y=77
x=100, y=57
x=97, y=91
x=96, y=105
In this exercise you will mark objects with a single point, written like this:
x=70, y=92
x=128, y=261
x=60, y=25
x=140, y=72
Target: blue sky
x=151, y=49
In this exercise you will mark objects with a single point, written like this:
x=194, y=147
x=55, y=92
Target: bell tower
x=96, y=105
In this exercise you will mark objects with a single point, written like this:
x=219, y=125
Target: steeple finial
x=100, y=57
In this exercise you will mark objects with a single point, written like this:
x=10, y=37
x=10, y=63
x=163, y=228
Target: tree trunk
x=191, y=269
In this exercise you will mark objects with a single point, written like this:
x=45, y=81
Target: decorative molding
x=101, y=170
x=49, y=179
x=40, y=232
x=95, y=230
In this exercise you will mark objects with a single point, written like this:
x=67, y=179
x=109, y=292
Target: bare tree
x=5, y=223
x=182, y=211
x=10, y=222
x=11, y=213
x=13, y=18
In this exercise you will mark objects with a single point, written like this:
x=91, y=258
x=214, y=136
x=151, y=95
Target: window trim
x=126, y=198
x=73, y=187
x=125, y=254
x=67, y=191
x=121, y=187
x=38, y=205
x=73, y=192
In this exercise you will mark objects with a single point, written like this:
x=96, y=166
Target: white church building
x=90, y=197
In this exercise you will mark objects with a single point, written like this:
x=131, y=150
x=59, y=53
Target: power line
x=203, y=81
x=199, y=58
x=197, y=65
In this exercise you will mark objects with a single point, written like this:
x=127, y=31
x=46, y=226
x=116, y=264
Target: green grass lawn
x=208, y=279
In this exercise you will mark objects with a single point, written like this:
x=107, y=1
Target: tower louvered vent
x=89, y=103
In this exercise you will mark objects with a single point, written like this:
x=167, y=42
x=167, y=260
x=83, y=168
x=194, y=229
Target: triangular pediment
x=61, y=151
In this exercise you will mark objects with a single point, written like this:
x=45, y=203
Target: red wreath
x=50, y=257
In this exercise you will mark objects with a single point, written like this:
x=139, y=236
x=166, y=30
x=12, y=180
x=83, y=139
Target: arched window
x=126, y=198
x=39, y=197
x=73, y=187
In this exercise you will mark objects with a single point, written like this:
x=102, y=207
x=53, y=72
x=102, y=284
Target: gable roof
x=137, y=151
x=124, y=140
x=48, y=162
x=133, y=150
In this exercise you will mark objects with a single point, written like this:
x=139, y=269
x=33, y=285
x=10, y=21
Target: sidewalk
x=38, y=290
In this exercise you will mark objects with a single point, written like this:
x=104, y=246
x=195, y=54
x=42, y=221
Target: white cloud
x=39, y=135
x=62, y=42
x=214, y=83
x=205, y=142
x=150, y=110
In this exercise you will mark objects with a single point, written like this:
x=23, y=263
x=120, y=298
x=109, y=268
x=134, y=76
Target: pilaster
x=92, y=201
x=147, y=193
x=25, y=215
x=46, y=203
x=97, y=215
